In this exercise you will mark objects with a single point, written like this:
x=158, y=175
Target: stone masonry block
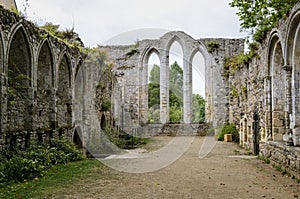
x=228, y=138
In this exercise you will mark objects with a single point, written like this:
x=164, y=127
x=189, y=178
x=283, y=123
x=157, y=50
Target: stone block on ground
x=228, y=138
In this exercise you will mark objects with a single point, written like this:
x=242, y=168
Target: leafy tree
x=260, y=16
x=198, y=108
x=175, y=92
x=153, y=94
x=155, y=74
x=176, y=85
x=175, y=114
x=175, y=96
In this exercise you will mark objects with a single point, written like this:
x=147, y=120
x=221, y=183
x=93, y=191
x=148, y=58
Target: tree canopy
x=260, y=16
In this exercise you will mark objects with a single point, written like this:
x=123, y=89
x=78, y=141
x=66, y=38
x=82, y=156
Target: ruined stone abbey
x=48, y=90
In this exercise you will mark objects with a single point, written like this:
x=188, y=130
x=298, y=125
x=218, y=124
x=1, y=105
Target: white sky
x=97, y=21
x=124, y=22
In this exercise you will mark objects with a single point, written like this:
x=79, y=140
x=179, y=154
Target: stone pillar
x=164, y=88
x=268, y=105
x=144, y=94
x=295, y=119
x=288, y=103
x=2, y=79
x=187, y=91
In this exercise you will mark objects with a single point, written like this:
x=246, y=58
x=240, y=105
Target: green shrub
x=32, y=163
x=18, y=169
x=229, y=129
x=68, y=148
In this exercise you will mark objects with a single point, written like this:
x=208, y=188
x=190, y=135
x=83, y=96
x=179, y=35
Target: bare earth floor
x=222, y=174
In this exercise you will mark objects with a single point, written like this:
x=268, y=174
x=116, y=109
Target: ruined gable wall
x=128, y=68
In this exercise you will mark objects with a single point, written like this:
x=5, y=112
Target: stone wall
x=37, y=74
x=269, y=85
x=130, y=66
x=286, y=157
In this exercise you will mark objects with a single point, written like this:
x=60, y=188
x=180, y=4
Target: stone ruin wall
x=269, y=85
x=129, y=69
x=37, y=73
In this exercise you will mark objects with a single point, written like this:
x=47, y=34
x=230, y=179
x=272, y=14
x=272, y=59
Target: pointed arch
x=19, y=73
x=175, y=38
x=143, y=90
x=45, y=82
x=276, y=102
x=79, y=87
x=293, y=60
x=64, y=93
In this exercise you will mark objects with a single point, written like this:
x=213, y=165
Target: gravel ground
x=224, y=173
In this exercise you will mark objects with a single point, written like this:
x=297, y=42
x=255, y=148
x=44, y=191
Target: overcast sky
x=97, y=21
x=124, y=22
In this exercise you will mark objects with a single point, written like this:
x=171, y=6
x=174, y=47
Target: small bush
x=229, y=129
x=32, y=163
x=18, y=169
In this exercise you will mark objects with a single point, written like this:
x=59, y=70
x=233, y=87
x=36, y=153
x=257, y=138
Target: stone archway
x=45, y=88
x=190, y=47
x=64, y=100
x=293, y=75
x=19, y=73
x=275, y=101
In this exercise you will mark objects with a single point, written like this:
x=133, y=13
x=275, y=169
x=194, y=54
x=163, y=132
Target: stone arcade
x=37, y=80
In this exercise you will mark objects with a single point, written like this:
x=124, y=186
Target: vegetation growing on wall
x=260, y=16
x=234, y=92
x=68, y=36
x=234, y=63
x=133, y=49
x=213, y=46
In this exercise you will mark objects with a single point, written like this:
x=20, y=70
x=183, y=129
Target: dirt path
x=221, y=174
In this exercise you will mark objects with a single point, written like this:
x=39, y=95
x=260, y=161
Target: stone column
x=288, y=102
x=295, y=119
x=187, y=91
x=268, y=105
x=164, y=88
x=144, y=94
x=2, y=79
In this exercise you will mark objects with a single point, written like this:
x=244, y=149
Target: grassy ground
x=57, y=179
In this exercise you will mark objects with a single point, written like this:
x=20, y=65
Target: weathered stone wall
x=269, y=85
x=130, y=66
x=286, y=157
x=37, y=74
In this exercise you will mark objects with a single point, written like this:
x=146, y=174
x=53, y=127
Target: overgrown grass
x=124, y=140
x=59, y=178
x=263, y=158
